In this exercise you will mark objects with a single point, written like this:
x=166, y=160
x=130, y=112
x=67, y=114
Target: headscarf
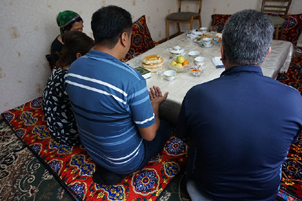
x=65, y=18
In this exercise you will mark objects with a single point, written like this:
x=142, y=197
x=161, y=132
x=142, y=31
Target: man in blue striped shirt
x=117, y=116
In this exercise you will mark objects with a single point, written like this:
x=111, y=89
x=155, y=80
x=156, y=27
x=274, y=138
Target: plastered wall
x=29, y=26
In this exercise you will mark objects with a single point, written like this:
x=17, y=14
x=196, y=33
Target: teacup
x=206, y=42
x=199, y=61
x=170, y=74
x=203, y=30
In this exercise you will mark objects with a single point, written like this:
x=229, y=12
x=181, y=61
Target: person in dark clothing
x=58, y=113
x=242, y=123
x=67, y=21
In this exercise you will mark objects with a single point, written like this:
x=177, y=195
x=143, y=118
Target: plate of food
x=201, y=37
x=153, y=63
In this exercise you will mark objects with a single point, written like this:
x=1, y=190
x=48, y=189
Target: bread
x=153, y=62
x=152, y=59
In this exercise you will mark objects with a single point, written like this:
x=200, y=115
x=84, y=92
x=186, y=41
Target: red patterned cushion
x=292, y=28
x=74, y=168
x=292, y=25
x=219, y=21
x=141, y=39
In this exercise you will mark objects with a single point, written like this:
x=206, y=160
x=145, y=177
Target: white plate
x=208, y=45
x=205, y=46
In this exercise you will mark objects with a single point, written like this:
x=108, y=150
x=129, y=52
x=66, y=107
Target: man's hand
x=156, y=96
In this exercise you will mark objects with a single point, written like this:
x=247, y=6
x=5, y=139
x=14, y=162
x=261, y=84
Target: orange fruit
x=185, y=62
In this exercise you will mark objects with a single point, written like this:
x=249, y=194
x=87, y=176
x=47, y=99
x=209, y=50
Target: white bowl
x=203, y=28
x=195, y=32
x=193, y=53
x=199, y=61
x=170, y=74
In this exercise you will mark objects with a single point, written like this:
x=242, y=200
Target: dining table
x=277, y=61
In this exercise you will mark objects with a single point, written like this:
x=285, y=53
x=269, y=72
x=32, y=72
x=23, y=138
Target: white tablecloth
x=277, y=61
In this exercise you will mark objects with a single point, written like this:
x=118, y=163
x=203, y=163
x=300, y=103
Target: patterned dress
x=58, y=113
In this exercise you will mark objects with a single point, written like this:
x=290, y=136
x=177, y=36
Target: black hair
x=108, y=24
x=74, y=42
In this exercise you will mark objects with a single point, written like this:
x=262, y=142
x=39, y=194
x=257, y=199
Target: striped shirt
x=110, y=101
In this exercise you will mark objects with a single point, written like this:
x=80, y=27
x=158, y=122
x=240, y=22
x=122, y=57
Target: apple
x=180, y=59
x=173, y=63
x=179, y=66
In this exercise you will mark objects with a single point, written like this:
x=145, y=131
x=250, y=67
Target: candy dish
x=197, y=70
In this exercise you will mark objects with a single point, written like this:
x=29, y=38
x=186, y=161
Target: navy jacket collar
x=242, y=69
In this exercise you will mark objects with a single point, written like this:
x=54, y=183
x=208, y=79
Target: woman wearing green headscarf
x=67, y=21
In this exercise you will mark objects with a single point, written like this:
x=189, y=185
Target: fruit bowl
x=178, y=67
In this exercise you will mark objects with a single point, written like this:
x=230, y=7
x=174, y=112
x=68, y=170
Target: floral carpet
x=291, y=183
x=73, y=168
x=22, y=176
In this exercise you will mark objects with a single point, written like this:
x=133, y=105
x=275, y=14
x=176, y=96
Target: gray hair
x=247, y=37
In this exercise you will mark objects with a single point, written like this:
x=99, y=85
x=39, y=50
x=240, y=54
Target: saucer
x=206, y=46
x=173, y=51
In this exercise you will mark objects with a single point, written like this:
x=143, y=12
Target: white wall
x=29, y=26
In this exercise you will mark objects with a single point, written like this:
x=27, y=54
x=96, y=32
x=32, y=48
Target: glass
x=137, y=62
x=160, y=70
x=214, y=35
x=213, y=31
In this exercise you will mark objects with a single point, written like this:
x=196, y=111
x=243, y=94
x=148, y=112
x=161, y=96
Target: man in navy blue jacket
x=243, y=123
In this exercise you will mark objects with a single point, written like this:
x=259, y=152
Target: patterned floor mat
x=22, y=176
x=74, y=168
